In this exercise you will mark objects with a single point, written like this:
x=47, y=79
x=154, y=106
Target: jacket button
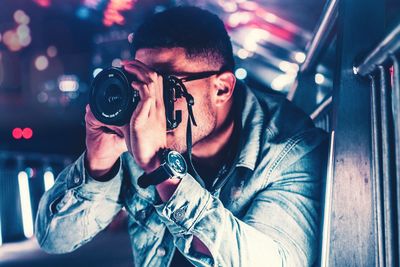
x=60, y=206
x=142, y=215
x=179, y=215
x=161, y=252
x=76, y=180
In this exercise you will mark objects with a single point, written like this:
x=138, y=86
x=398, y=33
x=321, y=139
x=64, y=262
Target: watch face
x=176, y=162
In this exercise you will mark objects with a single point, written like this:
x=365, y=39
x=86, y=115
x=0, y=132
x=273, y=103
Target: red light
x=17, y=133
x=112, y=14
x=43, y=3
x=27, y=133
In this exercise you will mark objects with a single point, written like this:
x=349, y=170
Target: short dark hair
x=201, y=33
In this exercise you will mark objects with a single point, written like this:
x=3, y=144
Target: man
x=260, y=161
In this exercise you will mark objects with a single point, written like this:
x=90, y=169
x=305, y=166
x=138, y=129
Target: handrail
x=326, y=226
x=389, y=45
x=323, y=29
x=314, y=47
x=321, y=108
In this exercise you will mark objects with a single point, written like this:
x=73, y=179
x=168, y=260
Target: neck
x=212, y=150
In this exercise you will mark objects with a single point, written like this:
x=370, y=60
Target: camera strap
x=190, y=102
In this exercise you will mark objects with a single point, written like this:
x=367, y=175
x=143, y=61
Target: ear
x=224, y=86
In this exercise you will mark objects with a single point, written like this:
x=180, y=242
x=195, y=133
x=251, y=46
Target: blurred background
x=50, y=50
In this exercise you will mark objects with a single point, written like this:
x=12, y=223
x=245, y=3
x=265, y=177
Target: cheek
x=181, y=104
x=202, y=108
x=204, y=111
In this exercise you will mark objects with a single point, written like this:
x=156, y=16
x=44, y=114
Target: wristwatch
x=173, y=164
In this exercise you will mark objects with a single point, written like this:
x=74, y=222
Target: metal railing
x=324, y=28
x=382, y=67
x=18, y=207
x=319, y=40
x=322, y=116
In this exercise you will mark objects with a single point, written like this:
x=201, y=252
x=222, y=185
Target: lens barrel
x=112, y=99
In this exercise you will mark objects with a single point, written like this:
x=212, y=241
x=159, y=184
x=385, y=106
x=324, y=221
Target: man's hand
x=104, y=145
x=146, y=133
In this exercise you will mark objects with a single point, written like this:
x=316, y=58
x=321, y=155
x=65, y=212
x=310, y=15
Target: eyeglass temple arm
x=199, y=76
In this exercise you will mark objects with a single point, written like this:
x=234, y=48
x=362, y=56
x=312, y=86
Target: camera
x=113, y=100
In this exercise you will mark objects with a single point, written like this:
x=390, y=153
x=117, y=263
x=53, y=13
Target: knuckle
x=88, y=119
x=153, y=76
x=136, y=86
x=151, y=83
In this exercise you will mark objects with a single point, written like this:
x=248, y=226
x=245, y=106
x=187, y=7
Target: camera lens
x=112, y=100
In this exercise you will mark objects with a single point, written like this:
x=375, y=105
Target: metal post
x=352, y=229
x=396, y=124
x=387, y=168
x=377, y=172
x=326, y=226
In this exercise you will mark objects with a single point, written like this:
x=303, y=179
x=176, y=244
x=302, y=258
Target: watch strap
x=156, y=177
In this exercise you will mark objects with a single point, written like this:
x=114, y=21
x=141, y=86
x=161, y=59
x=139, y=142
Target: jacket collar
x=251, y=116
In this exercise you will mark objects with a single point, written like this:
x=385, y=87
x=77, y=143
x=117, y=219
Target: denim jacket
x=264, y=213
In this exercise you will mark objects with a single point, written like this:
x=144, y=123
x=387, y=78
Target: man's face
x=173, y=61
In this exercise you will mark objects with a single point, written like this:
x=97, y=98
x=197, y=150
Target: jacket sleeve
x=280, y=228
x=76, y=208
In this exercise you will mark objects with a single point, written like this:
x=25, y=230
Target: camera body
x=113, y=100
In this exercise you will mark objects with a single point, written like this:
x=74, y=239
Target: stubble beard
x=206, y=124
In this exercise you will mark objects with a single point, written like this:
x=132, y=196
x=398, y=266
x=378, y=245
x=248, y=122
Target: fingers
x=91, y=120
x=93, y=124
x=140, y=65
x=160, y=94
x=142, y=115
x=145, y=90
x=121, y=146
x=142, y=72
x=145, y=105
x=151, y=98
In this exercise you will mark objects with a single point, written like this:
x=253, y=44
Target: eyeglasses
x=192, y=76
x=199, y=76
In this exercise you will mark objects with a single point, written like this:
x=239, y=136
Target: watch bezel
x=171, y=166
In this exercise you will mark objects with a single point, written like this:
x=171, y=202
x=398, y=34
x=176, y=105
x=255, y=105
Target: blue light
x=241, y=73
x=159, y=8
x=82, y=13
x=48, y=180
x=26, y=208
